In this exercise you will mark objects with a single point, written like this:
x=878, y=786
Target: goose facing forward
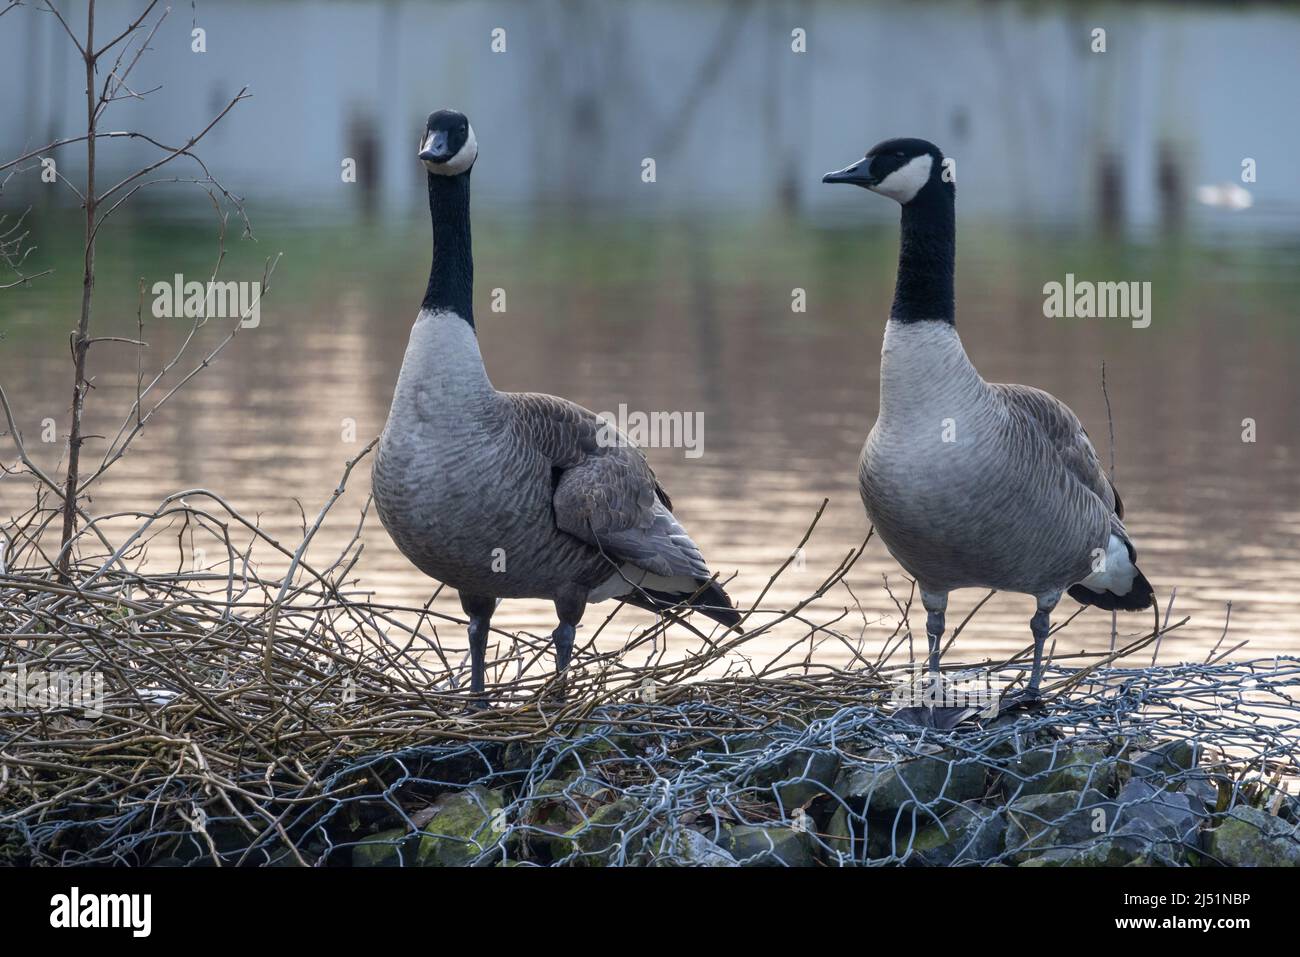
x=970, y=483
x=515, y=495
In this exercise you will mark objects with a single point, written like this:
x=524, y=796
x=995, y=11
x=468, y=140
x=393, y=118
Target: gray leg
x=936, y=603
x=1040, y=625
x=480, y=609
x=563, y=639
x=932, y=710
x=569, y=607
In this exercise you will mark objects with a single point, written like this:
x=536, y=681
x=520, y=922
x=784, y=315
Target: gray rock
x=1048, y=770
x=592, y=753
x=1126, y=745
x=1024, y=740
x=937, y=782
x=1290, y=809
x=1249, y=837
x=1147, y=810
x=894, y=836
x=1171, y=759
x=464, y=824
x=840, y=837
x=1203, y=792
x=692, y=849
x=755, y=845
x=519, y=755
x=1160, y=827
x=557, y=806
x=806, y=775
x=889, y=837
x=1107, y=852
x=1039, y=822
x=1143, y=826
x=970, y=834
x=384, y=849
x=600, y=838
x=574, y=789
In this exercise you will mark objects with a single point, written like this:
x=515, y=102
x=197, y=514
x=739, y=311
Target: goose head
x=448, y=146
x=900, y=169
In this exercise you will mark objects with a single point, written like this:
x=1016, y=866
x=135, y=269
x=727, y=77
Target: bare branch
x=180, y=151
x=26, y=279
x=119, y=79
x=132, y=28
x=67, y=29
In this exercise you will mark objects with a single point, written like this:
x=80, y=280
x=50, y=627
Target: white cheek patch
x=462, y=161
x=905, y=182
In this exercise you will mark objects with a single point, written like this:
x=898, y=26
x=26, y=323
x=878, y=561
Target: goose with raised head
x=971, y=483
x=515, y=495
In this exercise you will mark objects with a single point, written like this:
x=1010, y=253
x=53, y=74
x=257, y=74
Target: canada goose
x=515, y=495
x=973, y=484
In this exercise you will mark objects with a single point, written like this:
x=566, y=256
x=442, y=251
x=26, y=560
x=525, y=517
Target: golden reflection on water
x=786, y=400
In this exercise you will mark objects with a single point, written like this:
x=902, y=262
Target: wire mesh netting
x=1176, y=765
x=217, y=717
x=1122, y=772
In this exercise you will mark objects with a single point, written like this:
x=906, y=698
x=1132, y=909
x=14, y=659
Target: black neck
x=926, y=256
x=451, y=277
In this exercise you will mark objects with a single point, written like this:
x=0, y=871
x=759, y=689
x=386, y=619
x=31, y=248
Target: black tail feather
x=1139, y=597
x=711, y=602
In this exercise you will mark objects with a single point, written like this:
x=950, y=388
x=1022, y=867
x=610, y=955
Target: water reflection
x=786, y=400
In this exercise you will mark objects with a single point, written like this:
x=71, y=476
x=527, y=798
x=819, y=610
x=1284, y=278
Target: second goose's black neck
x=451, y=277
x=926, y=256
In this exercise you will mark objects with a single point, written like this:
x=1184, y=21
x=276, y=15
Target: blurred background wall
x=1043, y=127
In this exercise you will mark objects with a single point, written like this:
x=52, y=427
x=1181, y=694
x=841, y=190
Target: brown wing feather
x=606, y=493
x=1067, y=436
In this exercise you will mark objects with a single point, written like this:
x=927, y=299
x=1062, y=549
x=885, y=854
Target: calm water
x=677, y=296
x=668, y=315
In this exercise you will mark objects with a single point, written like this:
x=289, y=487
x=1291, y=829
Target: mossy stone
x=1048, y=770
x=1039, y=822
x=970, y=834
x=383, y=849
x=1249, y=837
x=754, y=845
x=934, y=781
x=464, y=824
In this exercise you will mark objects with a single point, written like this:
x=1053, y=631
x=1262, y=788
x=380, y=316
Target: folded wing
x=607, y=495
